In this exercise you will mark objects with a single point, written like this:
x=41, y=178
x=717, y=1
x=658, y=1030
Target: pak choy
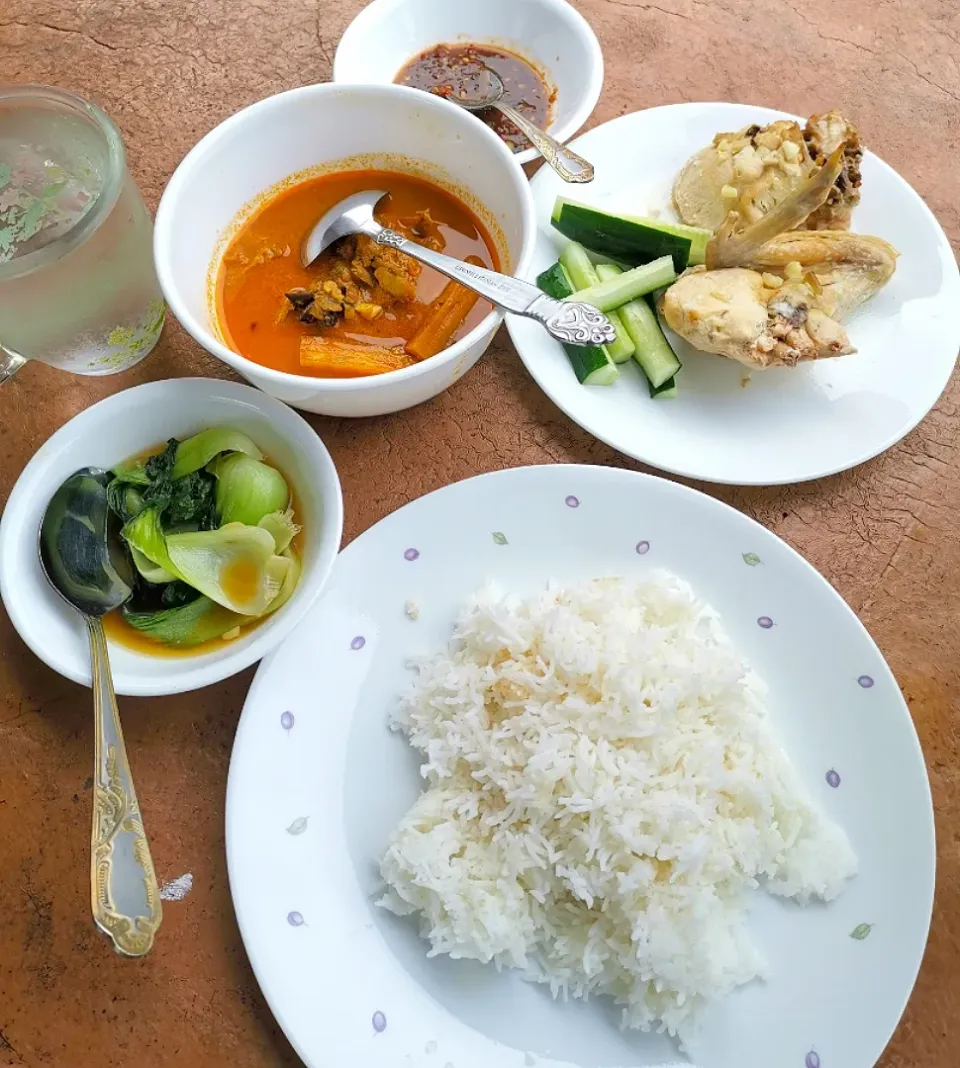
x=209, y=527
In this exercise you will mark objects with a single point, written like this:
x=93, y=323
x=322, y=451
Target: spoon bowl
x=351, y=216
x=82, y=556
x=80, y=548
x=487, y=91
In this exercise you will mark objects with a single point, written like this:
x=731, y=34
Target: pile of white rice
x=603, y=789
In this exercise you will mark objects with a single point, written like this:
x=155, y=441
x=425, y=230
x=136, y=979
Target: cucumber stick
x=665, y=392
x=653, y=352
x=632, y=240
x=696, y=235
x=583, y=274
x=612, y=294
x=579, y=267
x=555, y=282
x=591, y=363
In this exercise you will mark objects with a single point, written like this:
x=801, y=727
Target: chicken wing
x=733, y=245
x=846, y=269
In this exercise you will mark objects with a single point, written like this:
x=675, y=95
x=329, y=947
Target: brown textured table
x=886, y=534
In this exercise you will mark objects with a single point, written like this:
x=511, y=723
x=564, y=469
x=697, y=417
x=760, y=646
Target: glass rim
x=106, y=196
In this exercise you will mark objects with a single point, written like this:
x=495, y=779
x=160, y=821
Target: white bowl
x=122, y=426
x=552, y=34
x=314, y=130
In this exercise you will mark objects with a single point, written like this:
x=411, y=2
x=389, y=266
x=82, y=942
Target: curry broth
x=262, y=263
x=119, y=631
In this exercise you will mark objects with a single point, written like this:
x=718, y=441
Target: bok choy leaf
x=148, y=546
x=237, y=566
x=200, y=621
x=196, y=452
x=247, y=490
x=186, y=502
x=282, y=528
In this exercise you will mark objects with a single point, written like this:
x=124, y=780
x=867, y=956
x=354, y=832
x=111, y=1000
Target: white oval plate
x=318, y=781
x=787, y=424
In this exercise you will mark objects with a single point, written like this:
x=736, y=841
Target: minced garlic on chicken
x=754, y=169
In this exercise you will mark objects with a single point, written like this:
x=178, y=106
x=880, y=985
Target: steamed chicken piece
x=732, y=313
x=748, y=172
x=786, y=309
x=756, y=168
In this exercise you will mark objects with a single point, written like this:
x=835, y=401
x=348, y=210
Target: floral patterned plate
x=317, y=782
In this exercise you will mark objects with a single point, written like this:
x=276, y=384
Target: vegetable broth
x=262, y=264
x=119, y=632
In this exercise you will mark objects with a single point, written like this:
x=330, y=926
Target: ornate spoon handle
x=123, y=886
x=566, y=162
x=571, y=322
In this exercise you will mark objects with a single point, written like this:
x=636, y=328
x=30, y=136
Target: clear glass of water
x=78, y=289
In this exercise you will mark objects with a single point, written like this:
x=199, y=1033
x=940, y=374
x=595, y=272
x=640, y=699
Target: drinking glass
x=78, y=289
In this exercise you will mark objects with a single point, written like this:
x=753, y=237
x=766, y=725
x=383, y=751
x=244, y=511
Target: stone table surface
x=884, y=534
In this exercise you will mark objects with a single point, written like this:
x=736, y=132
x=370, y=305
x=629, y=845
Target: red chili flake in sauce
x=460, y=70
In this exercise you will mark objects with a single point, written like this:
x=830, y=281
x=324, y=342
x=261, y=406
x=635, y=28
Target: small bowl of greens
x=210, y=528
x=229, y=509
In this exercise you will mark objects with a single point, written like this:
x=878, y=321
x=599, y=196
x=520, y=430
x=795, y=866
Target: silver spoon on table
x=570, y=321
x=570, y=166
x=85, y=563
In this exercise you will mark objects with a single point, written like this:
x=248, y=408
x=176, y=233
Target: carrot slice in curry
x=443, y=317
x=341, y=359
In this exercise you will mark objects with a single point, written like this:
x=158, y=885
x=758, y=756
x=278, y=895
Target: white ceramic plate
x=317, y=782
x=785, y=425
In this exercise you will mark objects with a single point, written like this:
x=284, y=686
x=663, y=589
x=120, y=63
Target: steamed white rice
x=602, y=790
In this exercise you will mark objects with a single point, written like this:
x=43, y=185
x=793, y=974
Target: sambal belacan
x=450, y=70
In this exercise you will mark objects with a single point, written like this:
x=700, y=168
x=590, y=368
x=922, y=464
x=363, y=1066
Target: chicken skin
x=785, y=306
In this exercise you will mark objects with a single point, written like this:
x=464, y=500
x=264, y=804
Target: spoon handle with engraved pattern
x=571, y=322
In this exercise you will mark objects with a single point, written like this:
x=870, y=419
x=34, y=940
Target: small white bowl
x=315, y=130
x=122, y=426
x=551, y=34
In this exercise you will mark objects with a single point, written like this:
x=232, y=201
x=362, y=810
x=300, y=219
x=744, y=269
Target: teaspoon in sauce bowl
x=570, y=166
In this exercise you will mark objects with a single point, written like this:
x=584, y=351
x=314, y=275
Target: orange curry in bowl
x=361, y=308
